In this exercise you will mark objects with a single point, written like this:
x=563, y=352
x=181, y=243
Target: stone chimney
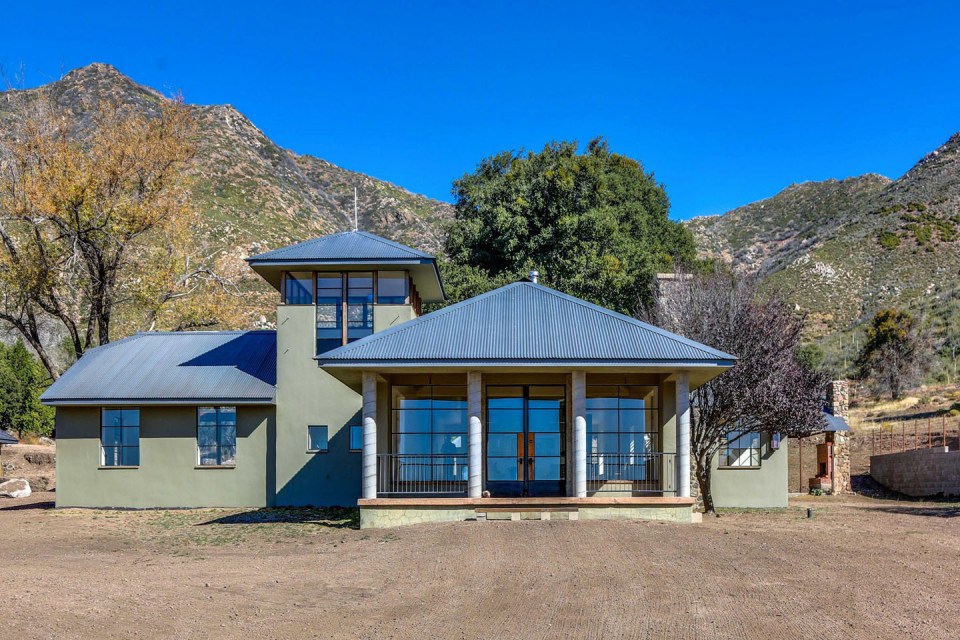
x=838, y=398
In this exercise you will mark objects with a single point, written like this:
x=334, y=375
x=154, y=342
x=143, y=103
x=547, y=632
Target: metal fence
x=631, y=473
x=402, y=474
x=893, y=436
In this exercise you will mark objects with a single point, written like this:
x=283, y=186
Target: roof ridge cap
x=392, y=243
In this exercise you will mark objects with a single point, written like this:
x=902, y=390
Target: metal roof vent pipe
x=534, y=276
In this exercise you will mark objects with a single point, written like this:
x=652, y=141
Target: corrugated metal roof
x=342, y=247
x=7, y=438
x=240, y=366
x=521, y=323
x=835, y=423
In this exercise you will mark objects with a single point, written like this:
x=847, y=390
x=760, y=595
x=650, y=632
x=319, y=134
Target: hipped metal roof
x=353, y=248
x=524, y=324
x=343, y=246
x=239, y=367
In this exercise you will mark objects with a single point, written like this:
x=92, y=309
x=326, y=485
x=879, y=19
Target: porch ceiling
x=351, y=376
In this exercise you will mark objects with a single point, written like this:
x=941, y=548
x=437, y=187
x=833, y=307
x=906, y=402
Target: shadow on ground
x=332, y=517
x=42, y=505
x=931, y=511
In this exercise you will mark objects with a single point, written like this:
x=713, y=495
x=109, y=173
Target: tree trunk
x=703, y=473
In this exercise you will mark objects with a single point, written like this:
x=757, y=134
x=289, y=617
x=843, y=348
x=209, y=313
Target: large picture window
x=217, y=436
x=621, y=419
x=430, y=420
x=622, y=432
x=329, y=311
x=741, y=450
x=120, y=437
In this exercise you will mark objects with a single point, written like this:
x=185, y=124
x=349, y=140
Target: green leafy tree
x=22, y=380
x=897, y=354
x=595, y=224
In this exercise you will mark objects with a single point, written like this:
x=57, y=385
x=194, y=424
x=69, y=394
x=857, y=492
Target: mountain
x=840, y=249
x=254, y=195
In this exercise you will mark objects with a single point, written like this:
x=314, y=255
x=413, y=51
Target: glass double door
x=526, y=440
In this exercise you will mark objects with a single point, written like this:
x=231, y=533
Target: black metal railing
x=648, y=473
x=405, y=474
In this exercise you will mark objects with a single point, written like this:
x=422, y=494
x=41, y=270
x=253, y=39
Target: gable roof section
x=524, y=323
x=346, y=246
x=7, y=438
x=237, y=367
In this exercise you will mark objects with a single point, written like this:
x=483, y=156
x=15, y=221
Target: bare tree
x=768, y=389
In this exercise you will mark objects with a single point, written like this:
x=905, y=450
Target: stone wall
x=838, y=398
x=918, y=473
x=841, y=461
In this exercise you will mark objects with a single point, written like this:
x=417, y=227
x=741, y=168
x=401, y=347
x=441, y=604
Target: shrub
x=889, y=240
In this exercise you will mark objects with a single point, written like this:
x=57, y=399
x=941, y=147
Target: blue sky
x=726, y=102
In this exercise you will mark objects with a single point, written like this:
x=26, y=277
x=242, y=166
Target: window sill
x=117, y=466
x=355, y=450
x=745, y=468
x=314, y=451
x=215, y=466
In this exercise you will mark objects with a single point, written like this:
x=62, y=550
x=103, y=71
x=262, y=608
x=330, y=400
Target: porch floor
x=391, y=512
x=561, y=501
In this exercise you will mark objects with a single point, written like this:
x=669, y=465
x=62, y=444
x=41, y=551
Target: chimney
x=838, y=398
x=534, y=275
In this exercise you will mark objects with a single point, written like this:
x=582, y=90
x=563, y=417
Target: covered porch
x=524, y=400
x=491, y=444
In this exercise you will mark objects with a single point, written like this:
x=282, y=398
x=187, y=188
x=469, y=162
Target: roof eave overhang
x=142, y=402
x=700, y=372
x=371, y=364
x=270, y=271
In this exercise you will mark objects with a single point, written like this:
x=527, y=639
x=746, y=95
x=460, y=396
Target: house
x=522, y=402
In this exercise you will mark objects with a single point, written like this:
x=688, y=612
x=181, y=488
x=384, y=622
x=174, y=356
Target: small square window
x=317, y=438
x=356, y=437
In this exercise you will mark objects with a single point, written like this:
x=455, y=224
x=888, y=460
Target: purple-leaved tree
x=768, y=390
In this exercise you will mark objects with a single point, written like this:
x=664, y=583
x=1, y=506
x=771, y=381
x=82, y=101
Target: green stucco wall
x=168, y=475
x=386, y=316
x=307, y=395
x=765, y=487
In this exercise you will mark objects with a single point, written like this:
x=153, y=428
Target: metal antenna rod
x=356, y=220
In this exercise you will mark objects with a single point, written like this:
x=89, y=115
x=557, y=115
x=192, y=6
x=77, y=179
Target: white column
x=475, y=430
x=369, y=435
x=580, y=433
x=683, y=434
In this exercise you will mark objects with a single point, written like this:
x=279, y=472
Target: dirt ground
x=860, y=568
x=34, y=462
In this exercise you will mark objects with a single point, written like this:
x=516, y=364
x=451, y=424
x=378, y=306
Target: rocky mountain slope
x=839, y=249
x=253, y=194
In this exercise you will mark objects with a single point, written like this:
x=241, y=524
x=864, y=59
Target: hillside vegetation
x=252, y=194
x=841, y=249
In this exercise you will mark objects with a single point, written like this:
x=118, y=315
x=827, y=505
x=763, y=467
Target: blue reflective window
x=298, y=288
x=356, y=437
x=217, y=436
x=318, y=438
x=120, y=437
